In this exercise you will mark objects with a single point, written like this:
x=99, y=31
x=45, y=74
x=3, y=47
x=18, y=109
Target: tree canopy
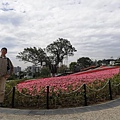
x=52, y=55
x=84, y=62
x=60, y=49
x=72, y=66
x=33, y=55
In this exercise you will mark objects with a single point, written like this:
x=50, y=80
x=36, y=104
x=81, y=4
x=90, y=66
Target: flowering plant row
x=66, y=83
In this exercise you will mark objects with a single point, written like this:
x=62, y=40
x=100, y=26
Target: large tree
x=84, y=62
x=58, y=50
x=33, y=55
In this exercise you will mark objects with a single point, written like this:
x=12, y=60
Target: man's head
x=3, y=51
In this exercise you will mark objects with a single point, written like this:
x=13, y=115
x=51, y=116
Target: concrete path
x=107, y=111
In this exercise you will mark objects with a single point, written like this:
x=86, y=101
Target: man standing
x=6, y=70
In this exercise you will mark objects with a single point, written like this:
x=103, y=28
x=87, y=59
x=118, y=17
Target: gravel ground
x=106, y=114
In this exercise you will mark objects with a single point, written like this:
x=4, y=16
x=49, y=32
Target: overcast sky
x=92, y=26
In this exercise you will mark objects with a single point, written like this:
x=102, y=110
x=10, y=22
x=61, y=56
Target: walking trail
x=106, y=111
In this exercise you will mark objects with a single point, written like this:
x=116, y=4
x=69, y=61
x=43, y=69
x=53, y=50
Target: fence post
x=47, y=97
x=85, y=97
x=13, y=97
x=110, y=91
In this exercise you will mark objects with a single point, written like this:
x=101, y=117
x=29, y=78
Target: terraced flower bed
x=63, y=83
x=67, y=91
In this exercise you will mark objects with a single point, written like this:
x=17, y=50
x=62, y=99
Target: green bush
x=62, y=69
x=45, y=72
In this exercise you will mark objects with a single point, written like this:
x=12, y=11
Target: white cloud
x=92, y=27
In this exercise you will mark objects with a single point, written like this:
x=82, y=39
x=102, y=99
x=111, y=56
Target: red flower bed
x=75, y=80
x=102, y=68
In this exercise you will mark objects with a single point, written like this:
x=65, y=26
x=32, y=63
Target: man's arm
x=11, y=67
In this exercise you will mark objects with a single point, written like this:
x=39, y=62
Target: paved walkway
x=107, y=105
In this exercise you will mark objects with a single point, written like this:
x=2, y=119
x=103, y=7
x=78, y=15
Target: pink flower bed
x=74, y=80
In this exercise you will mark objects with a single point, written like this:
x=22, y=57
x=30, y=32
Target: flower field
x=67, y=83
x=65, y=91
